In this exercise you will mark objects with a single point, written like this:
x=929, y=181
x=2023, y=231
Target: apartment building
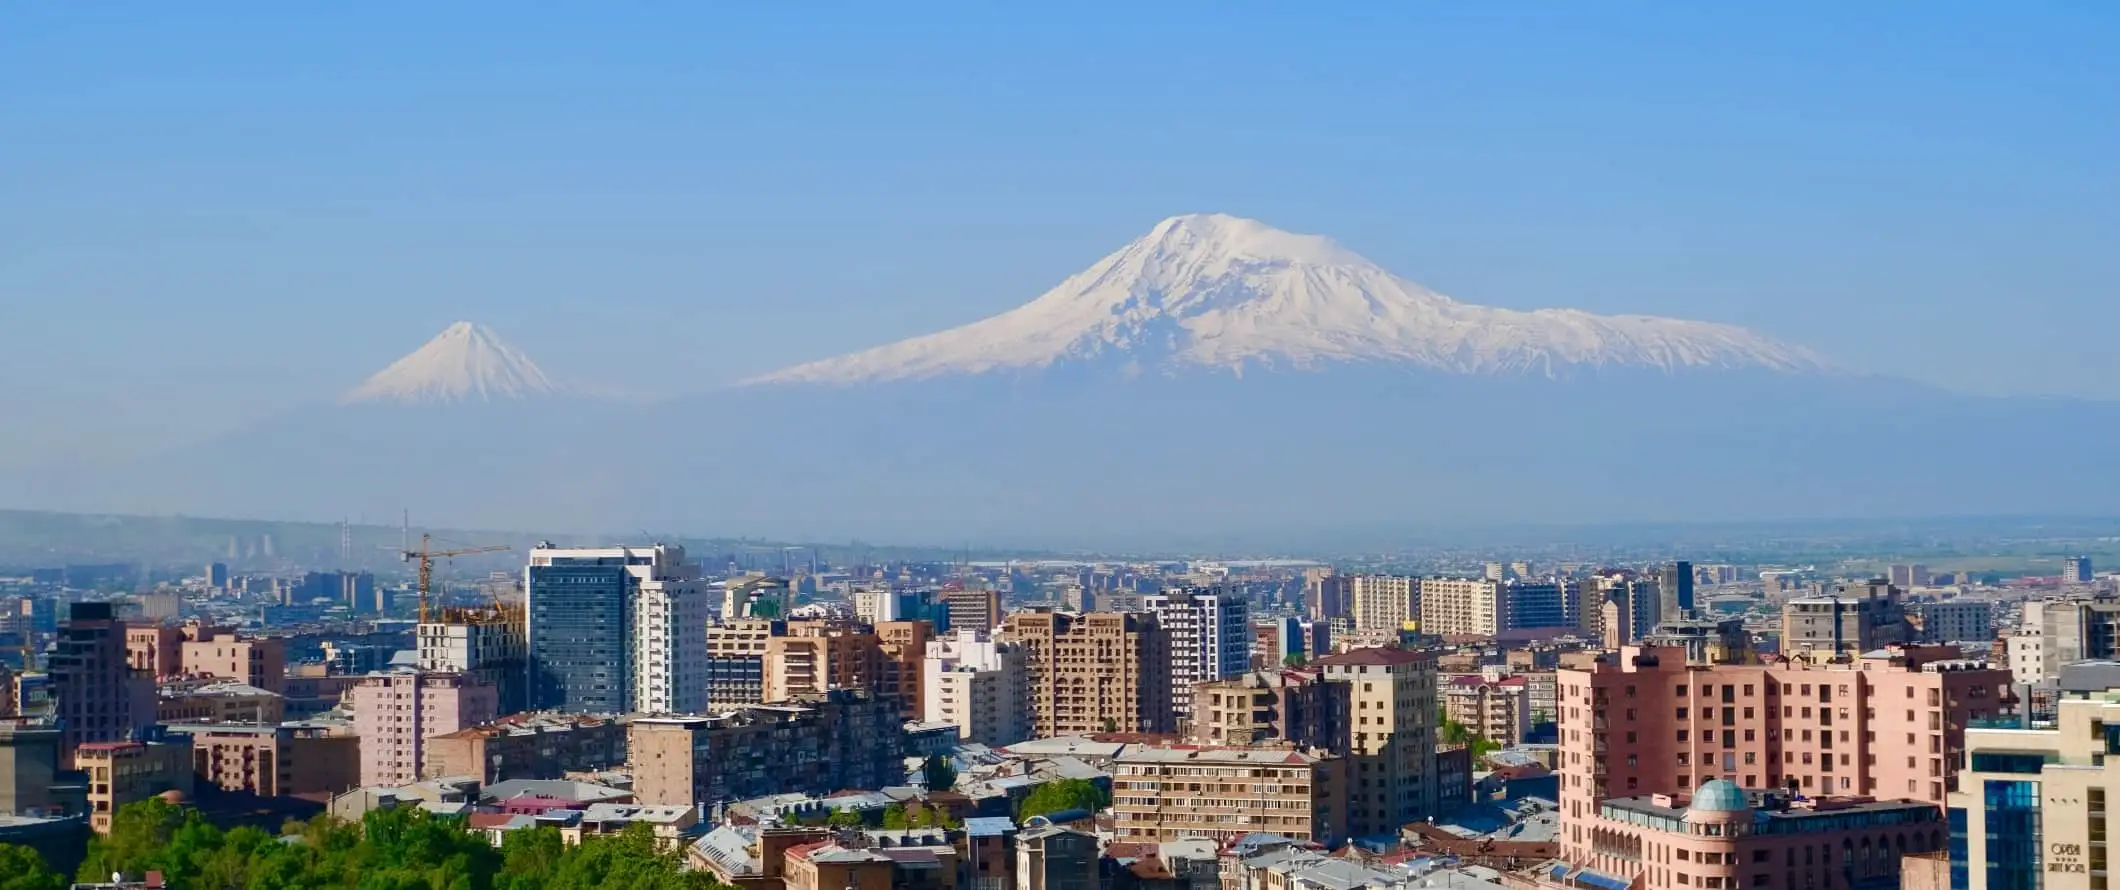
x=2030, y=807
x=527, y=746
x=120, y=773
x=1210, y=638
x=817, y=656
x=1496, y=708
x=1391, y=745
x=902, y=659
x=1889, y=725
x=1719, y=835
x=974, y=609
x=835, y=741
x=2053, y=633
x=1383, y=602
x=1464, y=606
x=218, y=652
x=396, y=713
x=1165, y=794
x=491, y=645
x=736, y=662
x=1854, y=620
x=218, y=702
x=1097, y=672
x=272, y=760
x=616, y=629
x=1957, y=621
x=97, y=695
x=154, y=648
x=1295, y=707
x=981, y=685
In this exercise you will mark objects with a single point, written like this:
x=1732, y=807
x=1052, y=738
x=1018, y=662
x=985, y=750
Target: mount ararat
x=1214, y=381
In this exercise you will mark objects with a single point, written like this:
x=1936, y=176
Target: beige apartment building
x=273, y=761
x=816, y=656
x=1391, y=737
x=1850, y=622
x=1463, y=606
x=736, y=659
x=1099, y=672
x=1497, y=709
x=2036, y=802
x=1164, y=794
x=1297, y=707
x=120, y=773
x=1383, y=602
x=980, y=685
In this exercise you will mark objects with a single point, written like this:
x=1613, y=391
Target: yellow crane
x=426, y=556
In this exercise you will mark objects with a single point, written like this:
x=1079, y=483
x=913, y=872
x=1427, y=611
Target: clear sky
x=209, y=216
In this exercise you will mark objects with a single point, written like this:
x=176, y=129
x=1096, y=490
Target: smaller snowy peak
x=466, y=363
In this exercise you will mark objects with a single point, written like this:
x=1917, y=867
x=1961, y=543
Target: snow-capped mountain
x=1209, y=291
x=465, y=363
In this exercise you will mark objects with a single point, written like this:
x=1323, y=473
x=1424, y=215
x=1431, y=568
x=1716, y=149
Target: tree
x=1295, y=660
x=1065, y=794
x=895, y=818
x=938, y=773
x=844, y=819
x=22, y=869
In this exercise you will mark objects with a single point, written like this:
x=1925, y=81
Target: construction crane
x=426, y=556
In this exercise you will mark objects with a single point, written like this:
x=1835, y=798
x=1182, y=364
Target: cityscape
x=1084, y=446
x=1057, y=722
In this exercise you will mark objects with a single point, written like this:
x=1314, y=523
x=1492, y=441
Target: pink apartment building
x=396, y=713
x=1889, y=725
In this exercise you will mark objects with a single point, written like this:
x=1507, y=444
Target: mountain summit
x=1217, y=292
x=465, y=363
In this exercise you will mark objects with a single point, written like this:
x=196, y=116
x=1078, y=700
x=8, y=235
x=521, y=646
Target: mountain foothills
x=1216, y=380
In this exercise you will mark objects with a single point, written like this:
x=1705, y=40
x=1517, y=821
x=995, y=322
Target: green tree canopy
x=1065, y=794
x=22, y=869
x=939, y=773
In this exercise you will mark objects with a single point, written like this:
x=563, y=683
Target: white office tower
x=1210, y=638
x=980, y=685
x=670, y=636
x=874, y=607
x=612, y=625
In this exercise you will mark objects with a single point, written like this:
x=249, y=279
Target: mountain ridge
x=465, y=362
x=1222, y=293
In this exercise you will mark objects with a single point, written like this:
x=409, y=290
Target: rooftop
x=1375, y=656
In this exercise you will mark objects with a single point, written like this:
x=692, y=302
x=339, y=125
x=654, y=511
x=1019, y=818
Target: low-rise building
x=2033, y=802
x=273, y=760
x=839, y=740
x=120, y=773
x=527, y=746
x=1163, y=794
x=219, y=702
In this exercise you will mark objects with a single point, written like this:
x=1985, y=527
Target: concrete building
x=1627, y=607
x=1890, y=725
x=876, y=606
x=1383, y=602
x=29, y=766
x=1907, y=575
x=902, y=657
x=1327, y=595
x=491, y=645
x=1165, y=794
x=1706, y=640
x=1957, y=621
x=1050, y=857
x=2055, y=633
x=396, y=713
x=1296, y=707
x=1857, y=619
x=154, y=648
x=120, y=773
x=97, y=696
x=842, y=740
x=980, y=685
x=1721, y=836
x=1496, y=708
x=974, y=610
x=1098, y=672
x=2030, y=807
x=816, y=656
x=1210, y=638
x=1391, y=750
x=527, y=746
x=1674, y=587
x=736, y=662
x=1551, y=603
x=220, y=653
x=272, y=760
x=1465, y=606
x=2076, y=570
x=616, y=629
x=219, y=702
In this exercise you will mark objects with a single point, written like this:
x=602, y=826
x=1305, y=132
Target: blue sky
x=208, y=218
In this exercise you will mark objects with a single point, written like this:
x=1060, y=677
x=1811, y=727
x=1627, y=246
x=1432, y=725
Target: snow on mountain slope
x=1218, y=292
x=466, y=362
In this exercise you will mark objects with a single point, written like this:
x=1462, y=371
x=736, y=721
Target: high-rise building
x=1552, y=603
x=219, y=652
x=97, y=696
x=217, y=575
x=2076, y=570
x=1298, y=707
x=736, y=662
x=1851, y=621
x=1326, y=594
x=814, y=657
x=1240, y=791
x=1891, y=724
x=1674, y=585
x=616, y=629
x=2029, y=808
x=488, y=645
x=29, y=767
x=979, y=684
x=1384, y=602
x=978, y=610
x=876, y=606
x=154, y=648
x=1467, y=606
x=1497, y=709
x=1099, y=672
x=396, y=713
x=1957, y=621
x=902, y=651
x=1210, y=638
x=1627, y=606
x=1908, y=575
x=1391, y=752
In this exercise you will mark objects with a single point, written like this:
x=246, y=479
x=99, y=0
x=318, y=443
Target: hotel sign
x=2065, y=858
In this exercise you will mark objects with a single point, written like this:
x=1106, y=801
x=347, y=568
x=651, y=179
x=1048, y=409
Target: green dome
x=1720, y=796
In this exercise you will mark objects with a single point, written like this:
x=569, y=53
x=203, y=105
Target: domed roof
x=1719, y=796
